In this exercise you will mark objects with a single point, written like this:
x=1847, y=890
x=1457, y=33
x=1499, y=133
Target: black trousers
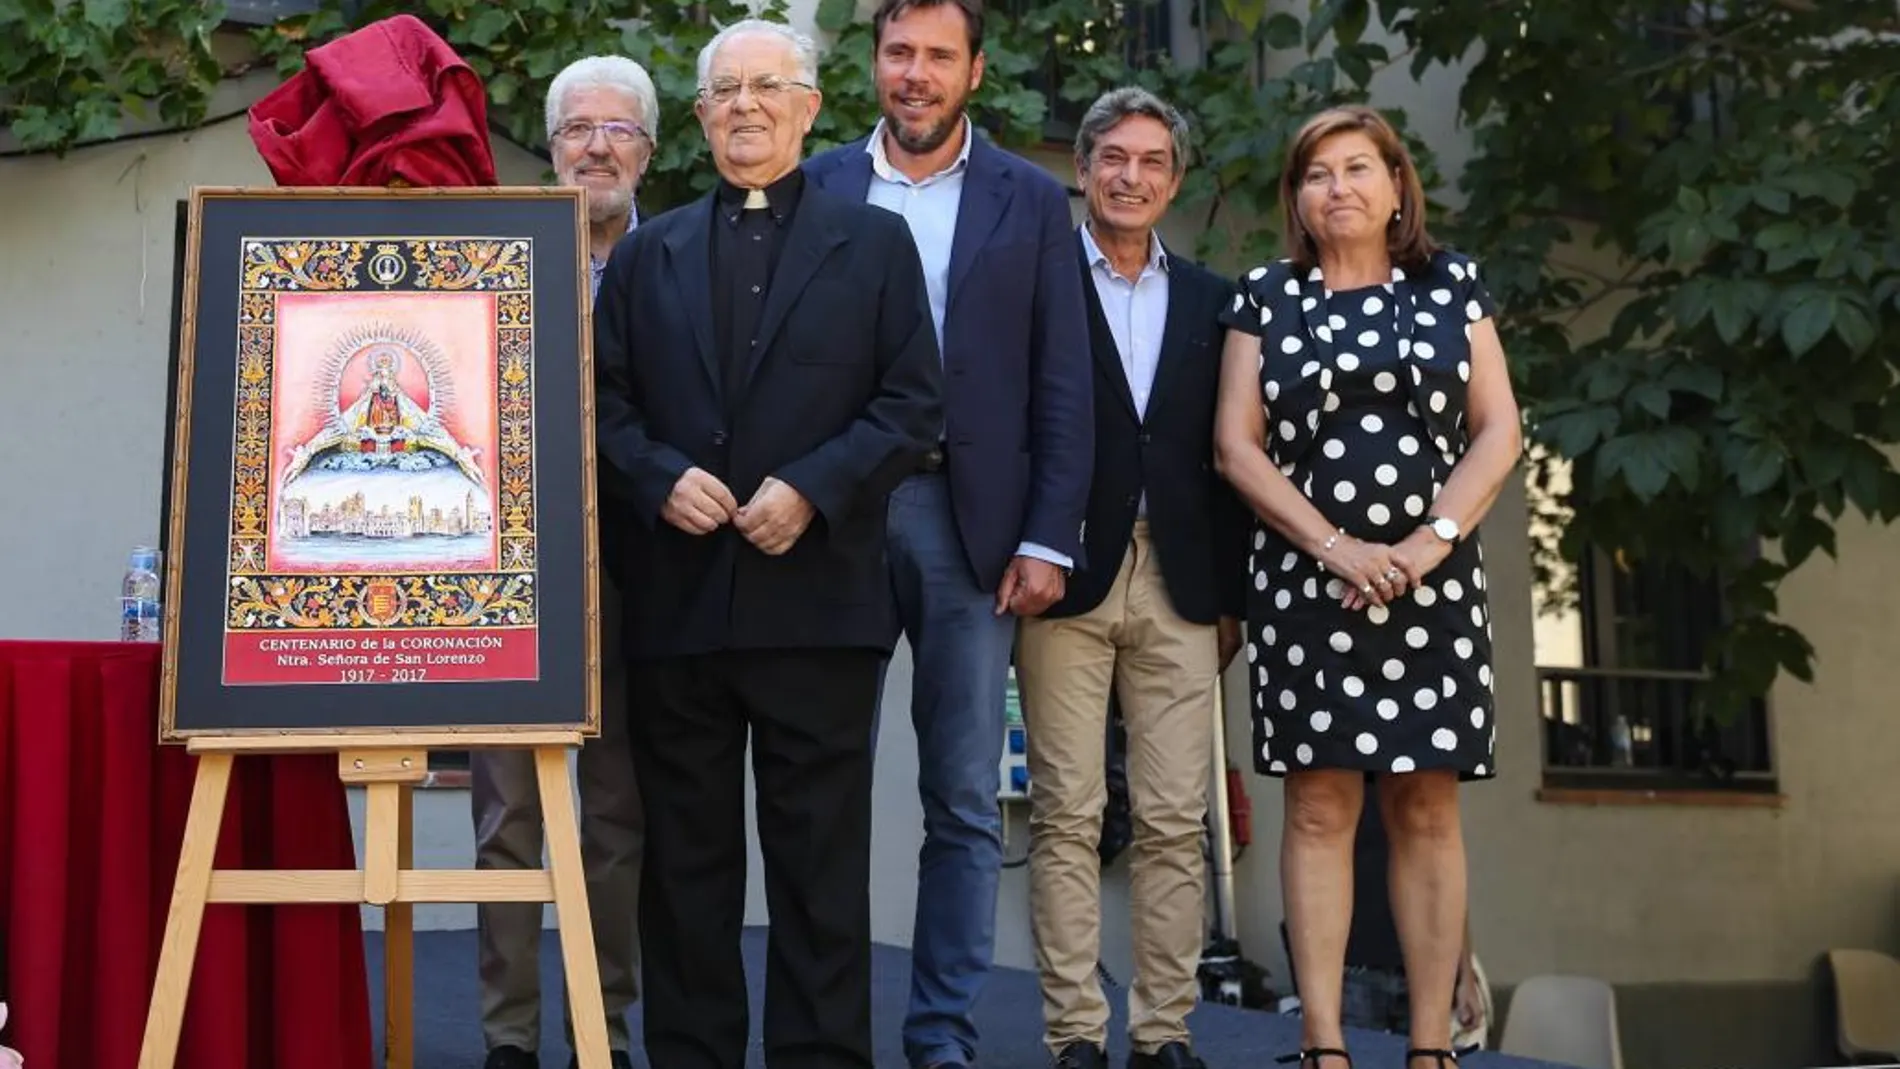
x=809, y=714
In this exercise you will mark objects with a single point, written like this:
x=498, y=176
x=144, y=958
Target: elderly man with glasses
x=766, y=372
x=602, y=118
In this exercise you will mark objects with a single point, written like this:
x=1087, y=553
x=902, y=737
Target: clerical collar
x=780, y=197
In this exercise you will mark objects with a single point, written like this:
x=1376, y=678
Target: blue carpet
x=1009, y=1018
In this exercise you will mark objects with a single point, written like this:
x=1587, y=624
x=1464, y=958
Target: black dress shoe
x=507, y=1056
x=1081, y=1056
x=620, y=1060
x=1169, y=1056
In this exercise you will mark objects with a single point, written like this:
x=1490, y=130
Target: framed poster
x=382, y=506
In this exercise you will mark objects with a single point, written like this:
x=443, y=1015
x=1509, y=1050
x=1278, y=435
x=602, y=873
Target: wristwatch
x=1446, y=529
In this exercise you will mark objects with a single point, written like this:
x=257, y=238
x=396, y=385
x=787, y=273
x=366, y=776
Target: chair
x=1866, y=1004
x=1566, y=1019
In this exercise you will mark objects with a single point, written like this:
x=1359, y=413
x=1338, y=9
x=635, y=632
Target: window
x=1688, y=94
x=266, y=12
x=1684, y=99
x=1144, y=31
x=1625, y=717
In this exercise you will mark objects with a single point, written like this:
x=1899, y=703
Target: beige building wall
x=86, y=247
x=1644, y=893
x=1648, y=893
x=1631, y=894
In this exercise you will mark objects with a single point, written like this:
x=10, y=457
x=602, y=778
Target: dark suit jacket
x=1197, y=522
x=1015, y=356
x=842, y=399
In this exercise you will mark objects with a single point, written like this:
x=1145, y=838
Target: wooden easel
x=389, y=765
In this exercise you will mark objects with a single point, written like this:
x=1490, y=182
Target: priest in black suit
x=1153, y=616
x=766, y=372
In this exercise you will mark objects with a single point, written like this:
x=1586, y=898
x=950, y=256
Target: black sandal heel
x=1313, y=1055
x=1440, y=1057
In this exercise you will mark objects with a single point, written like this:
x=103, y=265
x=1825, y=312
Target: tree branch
x=1595, y=276
x=1393, y=61
x=1704, y=41
x=1605, y=287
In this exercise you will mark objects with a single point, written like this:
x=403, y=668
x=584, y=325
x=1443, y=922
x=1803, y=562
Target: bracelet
x=1333, y=541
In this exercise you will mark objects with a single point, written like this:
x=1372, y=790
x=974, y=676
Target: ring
x=1391, y=573
x=1367, y=589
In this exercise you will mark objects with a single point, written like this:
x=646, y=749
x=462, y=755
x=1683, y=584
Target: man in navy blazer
x=986, y=531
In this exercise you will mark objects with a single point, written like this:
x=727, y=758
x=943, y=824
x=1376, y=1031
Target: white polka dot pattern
x=1367, y=388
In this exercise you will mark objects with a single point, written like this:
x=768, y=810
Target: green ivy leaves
x=70, y=73
x=1714, y=357
x=1697, y=253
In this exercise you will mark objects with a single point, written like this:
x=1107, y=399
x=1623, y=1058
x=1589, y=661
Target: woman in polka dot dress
x=1366, y=416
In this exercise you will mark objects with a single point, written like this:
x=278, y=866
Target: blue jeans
x=960, y=652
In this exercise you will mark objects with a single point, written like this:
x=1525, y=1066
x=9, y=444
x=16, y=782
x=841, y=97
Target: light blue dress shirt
x=1136, y=311
x=596, y=267
x=930, y=207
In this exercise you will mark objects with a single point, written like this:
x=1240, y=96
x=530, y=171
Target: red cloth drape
x=92, y=815
x=390, y=102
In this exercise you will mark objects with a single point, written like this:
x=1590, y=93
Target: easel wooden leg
x=388, y=767
x=570, y=905
x=165, y=1019
x=388, y=778
x=399, y=950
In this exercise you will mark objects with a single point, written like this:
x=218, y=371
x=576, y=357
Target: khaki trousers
x=1163, y=669
x=506, y=800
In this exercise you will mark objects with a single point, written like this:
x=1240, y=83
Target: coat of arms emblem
x=382, y=602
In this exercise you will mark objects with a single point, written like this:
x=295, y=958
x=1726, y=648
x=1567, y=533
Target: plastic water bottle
x=1622, y=754
x=138, y=597
x=1015, y=770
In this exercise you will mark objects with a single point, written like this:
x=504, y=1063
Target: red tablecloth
x=92, y=814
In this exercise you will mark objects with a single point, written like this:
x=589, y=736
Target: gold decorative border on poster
x=382, y=522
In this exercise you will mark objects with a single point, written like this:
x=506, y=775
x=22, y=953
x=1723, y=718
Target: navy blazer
x=841, y=398
x=1197, y=521
x=1018, y=411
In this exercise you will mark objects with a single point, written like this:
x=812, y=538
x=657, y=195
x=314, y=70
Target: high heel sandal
x=1313, y=1055
x=1440, y=1058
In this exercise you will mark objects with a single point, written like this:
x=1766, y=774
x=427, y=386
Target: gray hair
x=1112, y=107
x=605, y=72
x=803, y=48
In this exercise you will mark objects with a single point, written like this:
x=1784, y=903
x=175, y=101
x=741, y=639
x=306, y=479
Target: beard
x=922, y=140
x=603, y=205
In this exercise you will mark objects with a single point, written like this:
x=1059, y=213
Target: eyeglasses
x=764, y=87
x=619, y=133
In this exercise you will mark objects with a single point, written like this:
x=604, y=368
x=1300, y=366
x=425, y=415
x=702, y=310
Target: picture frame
x=381, y=478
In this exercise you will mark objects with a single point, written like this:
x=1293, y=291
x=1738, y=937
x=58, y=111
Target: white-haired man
x=603, y=119
x=766, y=372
